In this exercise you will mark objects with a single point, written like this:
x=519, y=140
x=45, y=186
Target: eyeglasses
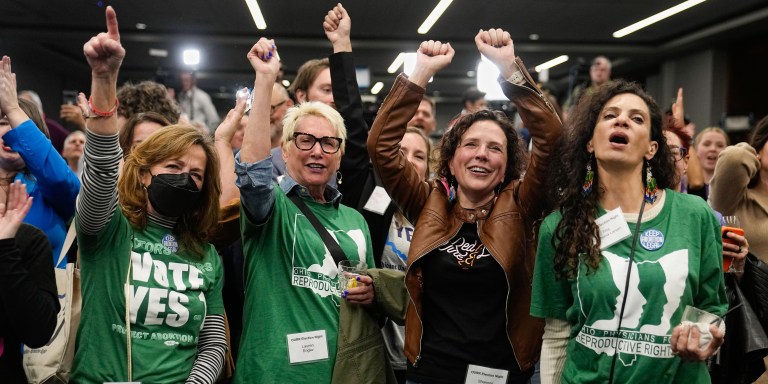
x=678, y=153
x=272, y=108
x=305, y=142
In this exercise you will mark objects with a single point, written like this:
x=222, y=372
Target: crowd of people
x=570, y=253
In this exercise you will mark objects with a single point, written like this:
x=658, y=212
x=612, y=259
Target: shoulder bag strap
x=330, y=243
x=68, y=241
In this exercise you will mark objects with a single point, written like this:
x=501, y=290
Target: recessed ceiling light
x=656, y=18
x=549, y=64
x=286, y=83
x=396, y=63
x=141, y=26
x=191, y=56
x=434, y=15
x=470, y=73
x=258, y=18
x=533, y=36
x=377, y=88
x=156, y=52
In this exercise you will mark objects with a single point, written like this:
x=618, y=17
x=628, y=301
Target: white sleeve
x=555, y=340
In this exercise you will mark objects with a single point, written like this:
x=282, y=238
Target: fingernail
x=358, y=278
x=346, y=292
x=344, y=295
x=269, y=56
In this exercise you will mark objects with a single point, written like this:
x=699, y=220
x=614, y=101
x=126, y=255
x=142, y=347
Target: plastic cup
x=348, y=272
x=701, y=319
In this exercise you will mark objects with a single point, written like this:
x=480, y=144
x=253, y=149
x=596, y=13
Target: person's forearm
x=103, y=98
x=227, y=175
x=256, y=140
x=695, y=172
x=16, y=116
x=555, y=341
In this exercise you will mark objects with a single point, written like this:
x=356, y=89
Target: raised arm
x=695, y=173
x=401, y=180
x=256, y=140
x=55, y=181
x=534, y=108
x=223, y=143
x=254, y=175
x=98, y=196
x=355, y=164
x=736, y=166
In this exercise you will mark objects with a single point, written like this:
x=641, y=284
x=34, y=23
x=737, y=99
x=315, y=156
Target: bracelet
x=102, y=113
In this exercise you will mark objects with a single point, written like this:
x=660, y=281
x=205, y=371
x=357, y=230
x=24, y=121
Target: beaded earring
x=586, y=188
x=651, y=189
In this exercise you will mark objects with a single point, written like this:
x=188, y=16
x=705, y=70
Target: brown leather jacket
x=506, y=226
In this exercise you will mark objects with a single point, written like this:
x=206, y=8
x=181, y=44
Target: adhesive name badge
x=477, y=374
x=307, y=347
x=378, y=202
x=613, y=228
x=652, y=239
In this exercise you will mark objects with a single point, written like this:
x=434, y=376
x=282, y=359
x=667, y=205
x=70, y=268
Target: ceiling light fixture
x=286, y=83
x=377, y=88
x=549, y=64
x=656, y=18
x=258, y=18
x=191, y=56
x=157, y=52
x=397, y=63
x=434, y=15
x=141, y=26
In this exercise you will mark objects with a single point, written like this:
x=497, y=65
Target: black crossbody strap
x=626, y=289
x=330, y=243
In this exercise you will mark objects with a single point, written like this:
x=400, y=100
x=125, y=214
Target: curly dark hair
x=147, y=96
x=452, y=138
x=576, y=236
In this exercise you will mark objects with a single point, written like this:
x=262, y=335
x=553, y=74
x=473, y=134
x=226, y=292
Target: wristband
x=98, y=113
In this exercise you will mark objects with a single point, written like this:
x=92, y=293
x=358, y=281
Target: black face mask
x=173, y=194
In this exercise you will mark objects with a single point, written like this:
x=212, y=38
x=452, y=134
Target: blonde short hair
x=313, y=108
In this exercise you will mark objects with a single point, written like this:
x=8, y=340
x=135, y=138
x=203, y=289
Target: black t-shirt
x=28, y=303
x=464, y=313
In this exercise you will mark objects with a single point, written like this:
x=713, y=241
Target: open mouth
x=7, y=148
x=618, y=138
x=315, y=166
x=479, y=170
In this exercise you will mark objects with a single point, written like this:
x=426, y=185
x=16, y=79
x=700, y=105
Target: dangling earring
x=451, y=189
x=651, y=189
x=586, y=188
x=338, y=177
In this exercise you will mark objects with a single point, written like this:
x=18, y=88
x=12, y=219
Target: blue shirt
x=49, y=180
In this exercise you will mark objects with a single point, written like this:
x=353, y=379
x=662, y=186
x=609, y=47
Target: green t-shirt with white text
x=170, y=294
x=291, y=287
x=678, y=260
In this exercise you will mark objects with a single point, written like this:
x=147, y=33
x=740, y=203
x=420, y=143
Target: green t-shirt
x=170, y=294
x=678, y=259
x=291, y=287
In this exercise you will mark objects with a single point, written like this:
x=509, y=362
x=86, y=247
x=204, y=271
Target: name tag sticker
x=307, y=347
x=477, y=374
x=613, y=228
x=378, y=202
